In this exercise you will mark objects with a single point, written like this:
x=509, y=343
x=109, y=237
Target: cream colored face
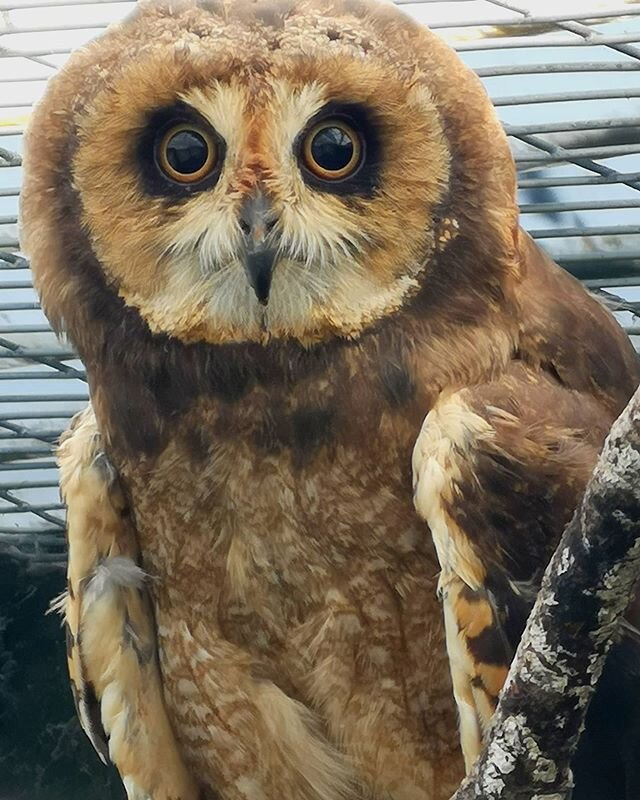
x=343, y=253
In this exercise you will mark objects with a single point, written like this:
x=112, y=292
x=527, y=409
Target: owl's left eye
x=186, y=153
x=332, y=150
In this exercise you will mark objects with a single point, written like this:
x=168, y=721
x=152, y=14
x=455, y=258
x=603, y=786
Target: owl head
x=255, y=170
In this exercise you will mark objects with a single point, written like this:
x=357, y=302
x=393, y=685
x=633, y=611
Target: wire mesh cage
x=567, y=88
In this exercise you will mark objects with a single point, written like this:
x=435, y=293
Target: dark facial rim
x=154, y=181
x=364, y=180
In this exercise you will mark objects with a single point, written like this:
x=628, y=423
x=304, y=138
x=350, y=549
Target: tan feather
x=483, y=455
x=109, y=622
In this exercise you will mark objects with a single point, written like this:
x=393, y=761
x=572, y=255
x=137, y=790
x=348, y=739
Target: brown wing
x=570, y=335
x=499, y=469
x=110, y=630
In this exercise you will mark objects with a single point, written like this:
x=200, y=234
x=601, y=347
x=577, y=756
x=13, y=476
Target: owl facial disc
x=243, y=177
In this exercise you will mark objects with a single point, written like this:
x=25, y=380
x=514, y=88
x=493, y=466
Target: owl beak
x=258, y=223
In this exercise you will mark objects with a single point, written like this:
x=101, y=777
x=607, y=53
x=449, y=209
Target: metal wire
x=581, y=180
x=576, y=144
x=536, y=41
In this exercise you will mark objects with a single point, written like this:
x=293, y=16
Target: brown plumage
x=250, y=439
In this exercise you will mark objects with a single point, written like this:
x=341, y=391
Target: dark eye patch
x=178, y=153
x=338, y=151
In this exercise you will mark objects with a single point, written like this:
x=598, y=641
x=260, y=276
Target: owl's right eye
x=186, y=153
x=178, y=153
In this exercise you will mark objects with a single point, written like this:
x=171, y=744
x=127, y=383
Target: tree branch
x=584, y=594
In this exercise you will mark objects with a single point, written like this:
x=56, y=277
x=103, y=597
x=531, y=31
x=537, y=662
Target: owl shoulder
x=570, y=334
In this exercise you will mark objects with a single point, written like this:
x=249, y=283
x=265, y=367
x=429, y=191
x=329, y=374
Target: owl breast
x=330, y=602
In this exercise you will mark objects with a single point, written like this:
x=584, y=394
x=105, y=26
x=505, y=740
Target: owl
x=341, y=405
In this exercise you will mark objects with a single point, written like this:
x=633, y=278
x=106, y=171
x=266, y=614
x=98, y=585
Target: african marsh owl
x=283, y=238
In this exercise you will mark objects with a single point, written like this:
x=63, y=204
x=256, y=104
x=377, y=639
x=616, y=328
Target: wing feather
x=498, y=471
x=111, y=645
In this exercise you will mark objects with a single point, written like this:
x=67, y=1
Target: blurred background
x=565, y=77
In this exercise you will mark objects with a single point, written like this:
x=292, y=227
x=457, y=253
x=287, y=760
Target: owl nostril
x=256, y=218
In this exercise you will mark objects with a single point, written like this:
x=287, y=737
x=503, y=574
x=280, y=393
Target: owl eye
x=332, y=150
x=186, y=153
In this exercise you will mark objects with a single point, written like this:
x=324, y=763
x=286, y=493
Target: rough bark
x=578, y=613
